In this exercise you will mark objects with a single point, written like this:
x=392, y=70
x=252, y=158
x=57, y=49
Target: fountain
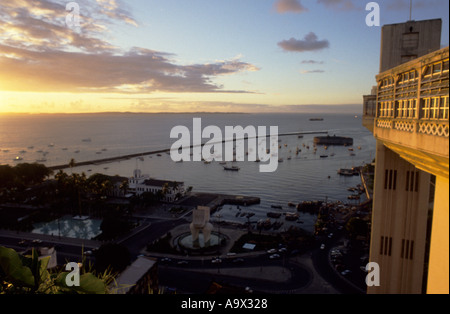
x=201, y=239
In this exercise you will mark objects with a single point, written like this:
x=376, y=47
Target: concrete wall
x=413, y=39
x=399, y=224
x=438, y=271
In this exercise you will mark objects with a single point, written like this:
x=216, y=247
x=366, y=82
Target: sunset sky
x=193, y=55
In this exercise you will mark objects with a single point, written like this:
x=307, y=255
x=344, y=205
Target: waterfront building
x=410, y=122
x=141, y=183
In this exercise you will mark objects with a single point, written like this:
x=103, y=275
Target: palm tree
x=72, y=164
x=124, y=186
x=165, y=189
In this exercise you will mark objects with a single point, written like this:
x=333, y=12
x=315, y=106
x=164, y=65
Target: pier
x=137, y=155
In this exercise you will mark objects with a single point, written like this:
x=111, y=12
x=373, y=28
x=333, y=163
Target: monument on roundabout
x=200, y=222
x=201, y=239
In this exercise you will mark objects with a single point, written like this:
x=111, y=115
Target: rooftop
x=160, y=183
x=130, y=276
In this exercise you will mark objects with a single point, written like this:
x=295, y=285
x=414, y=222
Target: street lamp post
x=218, y=244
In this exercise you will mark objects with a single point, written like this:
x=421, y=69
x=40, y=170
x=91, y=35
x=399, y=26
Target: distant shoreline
x=290, y=109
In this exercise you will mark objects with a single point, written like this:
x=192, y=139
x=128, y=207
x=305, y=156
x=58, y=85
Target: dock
x=155, y=152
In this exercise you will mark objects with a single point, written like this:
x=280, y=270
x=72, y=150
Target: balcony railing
x=427, y=127
x=413, y=97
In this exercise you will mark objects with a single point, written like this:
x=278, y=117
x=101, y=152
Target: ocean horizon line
x=303, y=109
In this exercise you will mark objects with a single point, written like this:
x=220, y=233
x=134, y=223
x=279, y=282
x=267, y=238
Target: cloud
x=312, y=62
x=284, y=6
x=38, y=52
x=339, y=5
x=117, y=11
x=137, y=71
x=41, y=25
x=309, y=43
x=311, y=71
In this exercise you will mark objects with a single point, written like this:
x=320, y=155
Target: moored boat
x=232, y=168
x=273, y=215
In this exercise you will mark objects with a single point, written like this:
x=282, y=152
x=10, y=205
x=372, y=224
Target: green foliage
x=113, y=226
x=29, y=275
x=356, y=227
x=23, y=175
x=162, y=245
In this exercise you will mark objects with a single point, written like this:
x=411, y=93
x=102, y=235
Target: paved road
x=154, y=230
x=187, y=278
x=198, y=276
x=65, y=252
x=321, y=262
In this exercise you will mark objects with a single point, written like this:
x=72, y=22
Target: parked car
x=346, y=272
x=272, y=251
x=274, y=256
x=183, y=263
x=238, y=261
x=322, y=247
x=23, y=243
x=216, y=260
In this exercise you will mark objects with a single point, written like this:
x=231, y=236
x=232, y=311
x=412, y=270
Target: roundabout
x=185, y=243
